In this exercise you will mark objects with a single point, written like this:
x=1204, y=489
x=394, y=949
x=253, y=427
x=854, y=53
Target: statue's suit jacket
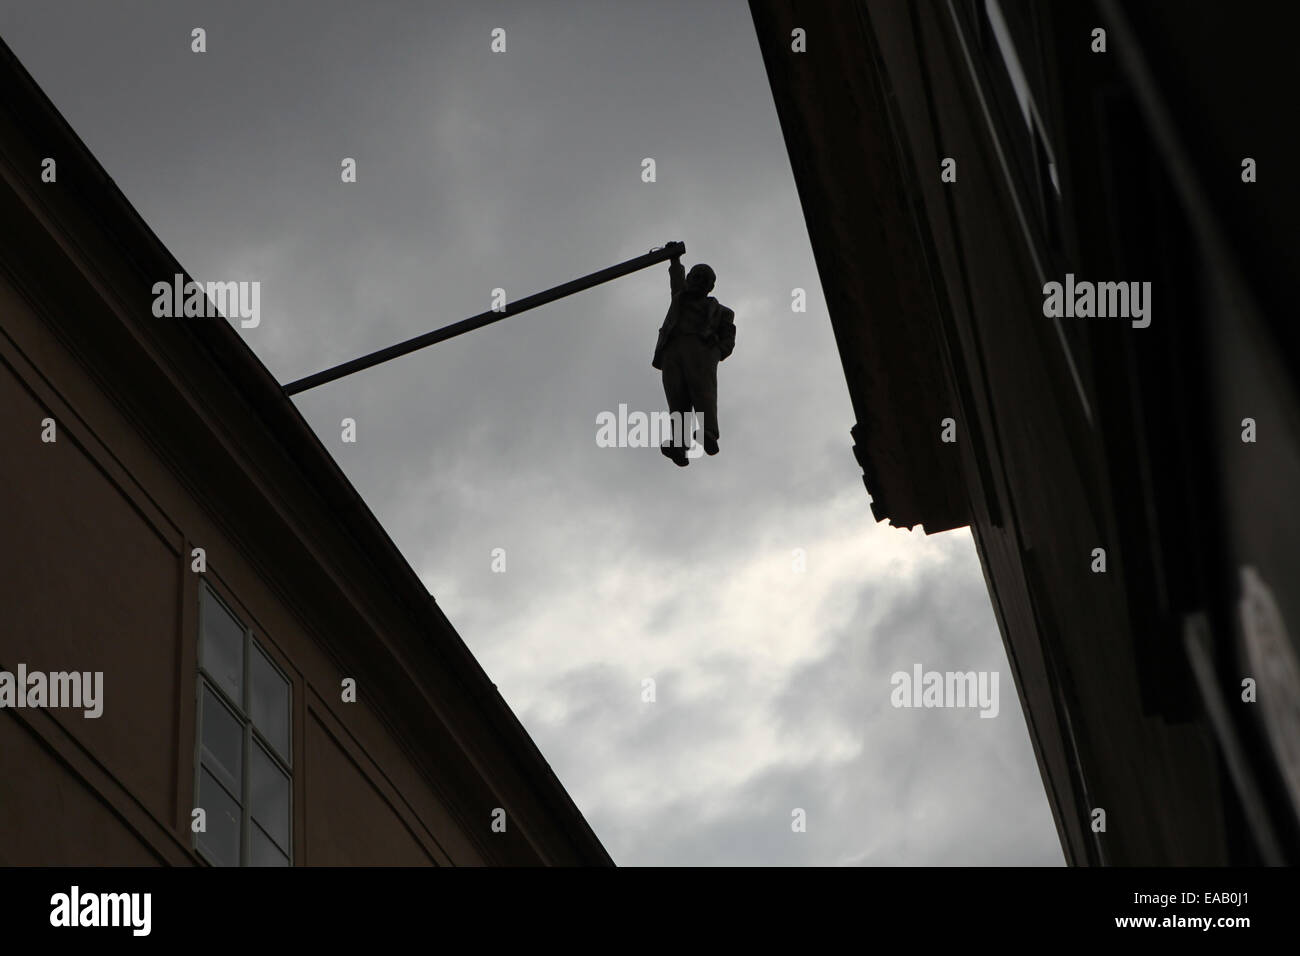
x=721, y=320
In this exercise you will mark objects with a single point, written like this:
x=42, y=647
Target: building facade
x=171, y=523
x=1124, y=457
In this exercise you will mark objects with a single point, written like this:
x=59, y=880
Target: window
x=1037, y=160
x=1003, y=75
x=245, y=773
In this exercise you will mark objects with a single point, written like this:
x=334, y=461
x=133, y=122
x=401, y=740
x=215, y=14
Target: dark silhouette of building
x=953, y=158
x=303, y=688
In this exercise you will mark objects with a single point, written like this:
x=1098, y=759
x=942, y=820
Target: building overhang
x=871, y=260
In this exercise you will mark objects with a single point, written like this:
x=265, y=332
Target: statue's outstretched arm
x=676, y=275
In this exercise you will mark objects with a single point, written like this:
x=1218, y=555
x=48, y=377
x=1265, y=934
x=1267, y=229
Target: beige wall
x=95, y=576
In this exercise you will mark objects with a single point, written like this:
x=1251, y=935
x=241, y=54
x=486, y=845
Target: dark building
x=171, y=522
x=1091, y=142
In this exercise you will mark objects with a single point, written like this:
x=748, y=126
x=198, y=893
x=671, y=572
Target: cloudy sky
x=522, y=170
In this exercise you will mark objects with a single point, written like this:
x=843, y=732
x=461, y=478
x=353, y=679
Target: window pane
x=222, y=643
x=223, y=740
x=221, y=841
x=268, y=795
x=269, y=702
x=262, y=852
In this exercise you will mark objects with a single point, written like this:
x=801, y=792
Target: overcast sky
x=522, y=170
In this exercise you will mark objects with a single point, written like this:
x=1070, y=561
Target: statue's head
x=700, y=278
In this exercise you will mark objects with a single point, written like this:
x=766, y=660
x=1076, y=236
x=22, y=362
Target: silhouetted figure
x=697, y=334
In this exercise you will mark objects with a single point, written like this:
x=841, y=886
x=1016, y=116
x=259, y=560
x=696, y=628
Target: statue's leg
x=703, y=378
x=677, y=392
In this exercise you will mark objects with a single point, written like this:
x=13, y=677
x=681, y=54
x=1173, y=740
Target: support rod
x=662, y=254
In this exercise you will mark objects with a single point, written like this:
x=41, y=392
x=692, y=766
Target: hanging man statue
x=697, y=334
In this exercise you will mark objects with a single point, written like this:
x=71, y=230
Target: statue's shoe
x=710, y=443
x=675, y=454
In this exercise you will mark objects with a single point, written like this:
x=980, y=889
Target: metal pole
x=662, y=254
